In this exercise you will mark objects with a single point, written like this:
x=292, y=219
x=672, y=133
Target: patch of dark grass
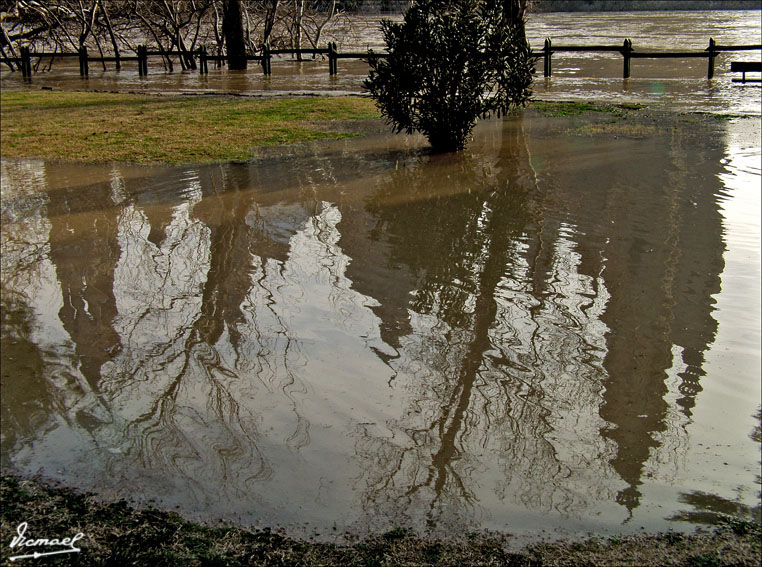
x=632, y=106
x=722, y=117
x=395, y=533
x=740, y=526
x=549, y=108
x=704, y=560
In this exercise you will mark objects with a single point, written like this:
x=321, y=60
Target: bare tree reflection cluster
x=22, y=249
x=441, y=340
x=22, y=274
x=500, y=371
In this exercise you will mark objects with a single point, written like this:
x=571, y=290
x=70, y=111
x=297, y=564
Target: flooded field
x=671, y=83
x=555, y=332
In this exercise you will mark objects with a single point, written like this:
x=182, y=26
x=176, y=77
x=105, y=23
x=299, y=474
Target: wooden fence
x=24, y=61
x=628, y=52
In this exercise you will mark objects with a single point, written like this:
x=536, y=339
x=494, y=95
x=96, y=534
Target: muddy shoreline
x=119, y=534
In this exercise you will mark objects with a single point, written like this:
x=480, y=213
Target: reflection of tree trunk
x=484, y=317
x=85, y=255
x=661, y=279
x=504, y=222
x=229, y=277
x=223, y=291
x=469, y=237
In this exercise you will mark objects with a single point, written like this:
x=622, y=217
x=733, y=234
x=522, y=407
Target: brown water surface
x=557, y=329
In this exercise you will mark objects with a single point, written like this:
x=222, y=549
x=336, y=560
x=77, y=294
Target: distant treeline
x=634, y=5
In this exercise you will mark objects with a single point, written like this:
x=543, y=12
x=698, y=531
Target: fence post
x=626, y=50
x=22, y=63
x=266, y=59
x=84, y=68
x=26, y=63
x=333, y=67
x=712, y=55
x=142, y=60
x=202, y=65
x=548, y=70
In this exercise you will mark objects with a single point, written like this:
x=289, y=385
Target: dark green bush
x=451, y=62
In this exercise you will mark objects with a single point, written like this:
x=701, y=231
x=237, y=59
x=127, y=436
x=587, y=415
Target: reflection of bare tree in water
x=530, y=342
x=53, y=226
x=85, y=252
x=169, y=293
x=23, y=252
x=484, y=383
x=190, y=352
x=665, y=274
x=203, y=359
x=546, y=335
x=654, y=232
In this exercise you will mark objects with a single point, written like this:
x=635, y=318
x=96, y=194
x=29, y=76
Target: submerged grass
x=552, y=108
x=117, y=534
x=104, y=127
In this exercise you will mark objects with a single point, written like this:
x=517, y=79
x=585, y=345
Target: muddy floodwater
x=556, y=331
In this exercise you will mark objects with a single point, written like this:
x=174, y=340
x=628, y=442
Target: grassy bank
x=103, y=127
x=116, y=534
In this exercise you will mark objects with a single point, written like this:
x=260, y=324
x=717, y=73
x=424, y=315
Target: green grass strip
x=105, y=127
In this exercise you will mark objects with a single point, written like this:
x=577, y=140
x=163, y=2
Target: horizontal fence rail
x=199, y=58
x=628, y=52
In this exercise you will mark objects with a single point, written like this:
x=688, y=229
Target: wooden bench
x=746, y=67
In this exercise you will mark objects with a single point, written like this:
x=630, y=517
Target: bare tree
x=313, y=23
x=271, y=11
